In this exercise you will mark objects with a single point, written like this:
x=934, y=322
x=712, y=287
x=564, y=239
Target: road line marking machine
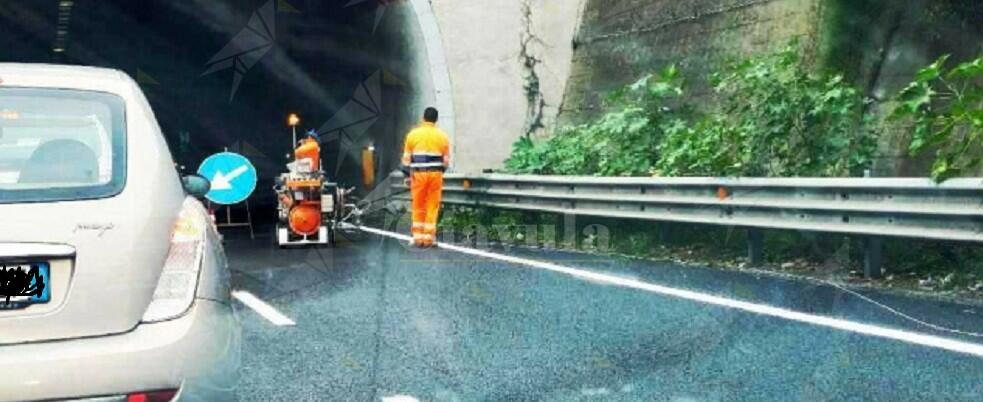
x=310, y=208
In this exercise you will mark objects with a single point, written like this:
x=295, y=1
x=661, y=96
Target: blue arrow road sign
x=232, y=176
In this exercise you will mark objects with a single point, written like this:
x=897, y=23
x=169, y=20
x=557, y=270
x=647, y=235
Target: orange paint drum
x=305, y=219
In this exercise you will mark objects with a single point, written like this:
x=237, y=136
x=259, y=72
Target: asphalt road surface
x=378, y=321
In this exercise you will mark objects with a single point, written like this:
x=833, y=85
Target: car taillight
x=179, y=279
x=155, y=396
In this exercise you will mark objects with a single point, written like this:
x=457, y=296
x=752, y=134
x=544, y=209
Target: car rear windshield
x=60, y=145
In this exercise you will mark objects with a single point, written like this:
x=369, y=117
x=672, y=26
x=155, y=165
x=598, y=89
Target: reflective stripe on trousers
x=426, y=188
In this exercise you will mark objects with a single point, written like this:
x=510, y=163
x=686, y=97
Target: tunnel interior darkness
x=224, y=74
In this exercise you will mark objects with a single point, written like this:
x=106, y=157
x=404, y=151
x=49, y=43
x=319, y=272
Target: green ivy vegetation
x=772, y=118
x=947, y=109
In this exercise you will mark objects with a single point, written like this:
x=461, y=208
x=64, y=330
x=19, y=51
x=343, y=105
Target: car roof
x=63, y=76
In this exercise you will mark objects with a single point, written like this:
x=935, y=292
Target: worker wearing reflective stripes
x=426, y=156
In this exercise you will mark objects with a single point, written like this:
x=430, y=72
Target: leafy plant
x=773, y=119
x=947, y=109
x=527, y=157
x=620, y=143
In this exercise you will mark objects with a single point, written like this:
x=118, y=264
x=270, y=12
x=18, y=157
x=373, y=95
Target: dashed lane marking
x=262, y=308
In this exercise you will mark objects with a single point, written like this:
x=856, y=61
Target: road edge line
x=761, y=309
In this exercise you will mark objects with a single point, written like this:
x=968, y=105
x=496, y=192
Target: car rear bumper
x=198, y=353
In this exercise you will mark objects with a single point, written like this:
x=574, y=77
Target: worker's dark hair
x=430, y=115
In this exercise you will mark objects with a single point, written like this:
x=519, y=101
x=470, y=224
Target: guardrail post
x=873, y=256
x=665, y=233
x=549, y=233
x=755, y=247
x=570, y=231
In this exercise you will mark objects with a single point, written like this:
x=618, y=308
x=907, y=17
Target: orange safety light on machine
x=293, y=120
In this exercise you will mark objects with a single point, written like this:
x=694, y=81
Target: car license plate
x=24, y=284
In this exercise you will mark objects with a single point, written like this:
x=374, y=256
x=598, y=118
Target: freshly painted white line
x=260, y=307
x=844, y=325
x=399, y=398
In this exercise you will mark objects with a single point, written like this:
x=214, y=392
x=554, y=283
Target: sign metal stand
x=228, y=223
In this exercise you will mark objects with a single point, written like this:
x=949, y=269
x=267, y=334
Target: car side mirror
x=196, y=186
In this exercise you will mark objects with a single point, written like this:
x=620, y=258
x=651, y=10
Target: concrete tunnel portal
x=224, y=74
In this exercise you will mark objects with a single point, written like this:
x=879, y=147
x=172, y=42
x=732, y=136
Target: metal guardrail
x=871, y=207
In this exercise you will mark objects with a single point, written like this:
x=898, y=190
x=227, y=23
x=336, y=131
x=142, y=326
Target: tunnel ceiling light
x=62, y=26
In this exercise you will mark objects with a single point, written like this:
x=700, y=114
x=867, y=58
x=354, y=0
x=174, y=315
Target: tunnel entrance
x=224, y=74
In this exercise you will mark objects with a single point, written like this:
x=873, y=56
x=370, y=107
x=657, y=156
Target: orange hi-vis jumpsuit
x=426, y=155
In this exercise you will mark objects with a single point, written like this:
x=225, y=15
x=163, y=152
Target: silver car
x=113, y=282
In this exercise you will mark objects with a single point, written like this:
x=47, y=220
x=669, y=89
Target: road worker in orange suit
x=426, y=157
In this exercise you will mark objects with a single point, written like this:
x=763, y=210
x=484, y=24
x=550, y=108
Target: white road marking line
x=399, y=398
x=260, y=307
x=836, y=323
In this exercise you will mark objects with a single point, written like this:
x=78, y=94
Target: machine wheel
x=276, y=237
